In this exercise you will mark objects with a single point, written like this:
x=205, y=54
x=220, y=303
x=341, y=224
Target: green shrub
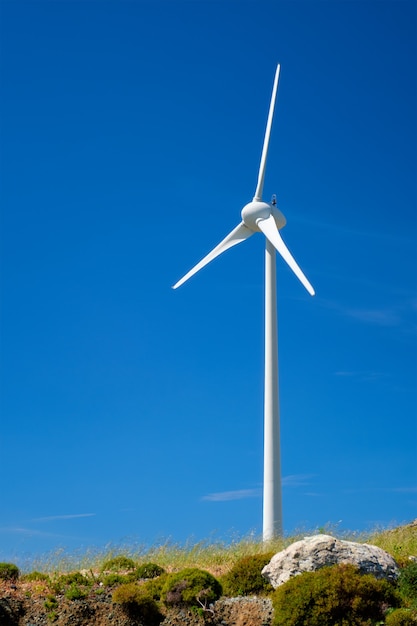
x=9, y=571
x=337, y=595
x=245, y=577
x=66, y=580
x=154, y=586
x=115, y=579
x=149, y=570
x=52, y=616
x=118, y=564
x=100, y=591
x=401, y=617
x=138, y=604
x=34, y=576
x=74, y=592
x=74, y=577
x=50, y=603
x=192, y=587
x=407, y=584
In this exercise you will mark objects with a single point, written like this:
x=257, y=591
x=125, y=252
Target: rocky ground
x=21, y=605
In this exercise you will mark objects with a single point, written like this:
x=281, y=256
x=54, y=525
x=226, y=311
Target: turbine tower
x=265, y=217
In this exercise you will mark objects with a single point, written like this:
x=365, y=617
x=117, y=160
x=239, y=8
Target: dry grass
x=401, y=542
x=217, y=557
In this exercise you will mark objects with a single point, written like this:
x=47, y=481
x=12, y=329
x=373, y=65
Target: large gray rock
x=312, y=553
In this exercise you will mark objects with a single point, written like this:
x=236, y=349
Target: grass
x=218, y=557
x=400, y=542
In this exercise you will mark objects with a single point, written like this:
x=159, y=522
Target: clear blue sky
x=131, y=136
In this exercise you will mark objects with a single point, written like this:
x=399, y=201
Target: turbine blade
x=238, y=234
x=270, y=230
x=261, y=175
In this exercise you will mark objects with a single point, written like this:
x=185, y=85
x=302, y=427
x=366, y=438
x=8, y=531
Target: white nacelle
x=256, y=210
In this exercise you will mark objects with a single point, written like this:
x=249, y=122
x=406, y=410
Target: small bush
x=333, y=595
x=118, y=564
x=50, y=603
x=149, y=570
x=9, y=571
x=154, y=586
x=407, y=584
x=35, y=576
x=74, y=577
x=128, y=593
x=401, y=617
x=115, y=579
x=74, y=592
x=138, y=604
x=52, y=616
x=192, y=587
x=245, y=577
x=66, y=580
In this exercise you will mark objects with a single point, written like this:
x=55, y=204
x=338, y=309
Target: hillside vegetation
x=217, y=556
x=208, y=583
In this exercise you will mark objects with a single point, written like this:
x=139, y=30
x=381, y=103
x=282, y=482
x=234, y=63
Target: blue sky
x=131, y=136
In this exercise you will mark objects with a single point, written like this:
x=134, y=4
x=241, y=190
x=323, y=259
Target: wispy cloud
x=225, y=496
x=28, y=532
x=297, y=480
x=54, y=518
x=294, y=480
x=362, y=375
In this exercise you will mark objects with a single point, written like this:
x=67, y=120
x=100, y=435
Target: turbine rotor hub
x=254, y=211
x=258, y=209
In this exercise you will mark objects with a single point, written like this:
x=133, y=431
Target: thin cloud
x=53, y=518
x=362, y=375
x=226, y=496
x=294, y=480
x=29, y=532
x=297, y=480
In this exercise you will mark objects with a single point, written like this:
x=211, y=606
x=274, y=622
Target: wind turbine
x=265, y=217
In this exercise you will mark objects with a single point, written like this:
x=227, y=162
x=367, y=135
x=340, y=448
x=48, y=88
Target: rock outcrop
x=313, y=553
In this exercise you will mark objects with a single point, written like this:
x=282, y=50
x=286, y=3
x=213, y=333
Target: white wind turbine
x=265, y=217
